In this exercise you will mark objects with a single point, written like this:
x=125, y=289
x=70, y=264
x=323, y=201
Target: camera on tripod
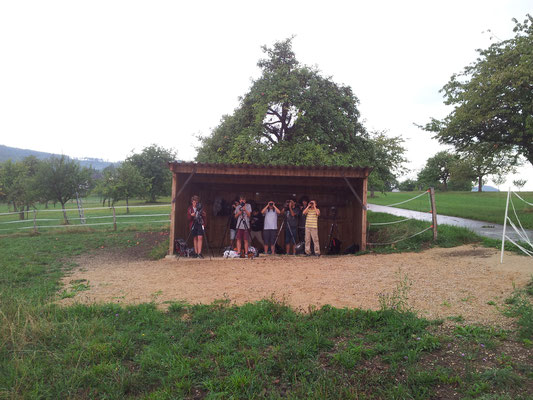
x=198, y=216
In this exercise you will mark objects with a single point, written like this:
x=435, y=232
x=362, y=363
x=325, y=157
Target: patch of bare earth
x=444, y=282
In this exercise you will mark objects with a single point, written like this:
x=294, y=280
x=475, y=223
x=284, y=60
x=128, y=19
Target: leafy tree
x=386, y=154
x=519, y=183
x=18, y=183
x=485, y=161
x=59, y=179
x=499, y=180
x=152, y=164
x=105, y=186
x=294, y=115
x=408, y=185
x=130, y=183
x=437, y=170
x=493, y=98
x=462, y=175
x=121, y=183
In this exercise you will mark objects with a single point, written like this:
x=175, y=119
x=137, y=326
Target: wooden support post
x=433, y=212
x=172, y=236
x=114, y=219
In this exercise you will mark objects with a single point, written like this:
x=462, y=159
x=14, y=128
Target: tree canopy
x=294, y=115
x=151, y=163
x=493, y=98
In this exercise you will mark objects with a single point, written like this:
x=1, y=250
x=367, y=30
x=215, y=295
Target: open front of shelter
x=340, y=193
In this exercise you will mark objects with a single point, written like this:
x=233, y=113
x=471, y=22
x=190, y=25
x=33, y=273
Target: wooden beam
x=355, y=193
x=183, y=187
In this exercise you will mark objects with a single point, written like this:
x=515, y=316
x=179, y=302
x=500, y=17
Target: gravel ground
x=442, y=282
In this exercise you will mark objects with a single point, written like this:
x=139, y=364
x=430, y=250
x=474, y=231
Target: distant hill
x=15, y=154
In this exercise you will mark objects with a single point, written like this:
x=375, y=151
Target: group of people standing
x=300, y=221
x=248, y=223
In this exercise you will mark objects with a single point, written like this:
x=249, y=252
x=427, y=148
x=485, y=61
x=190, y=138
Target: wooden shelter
x=344, y=188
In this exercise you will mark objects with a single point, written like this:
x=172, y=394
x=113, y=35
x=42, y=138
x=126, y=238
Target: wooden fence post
x=433, y=212
x=34, y=221
x=114, y=219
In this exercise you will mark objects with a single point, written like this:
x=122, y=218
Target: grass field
x=487, y=206
x=260, y=350
x=96, y=216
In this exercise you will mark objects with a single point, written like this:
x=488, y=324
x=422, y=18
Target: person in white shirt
x=270, y=229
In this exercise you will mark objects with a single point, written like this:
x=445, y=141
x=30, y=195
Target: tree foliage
x=493, y=98
x=437, y=171
x=59, y=179
x=121, y=183
x=484, y=161
x=18, y=186
x=152, y=164
x=294, y=115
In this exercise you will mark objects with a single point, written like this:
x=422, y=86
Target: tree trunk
x=480, y=184
x=64, y=214
x=372, y=194
x=127, y=206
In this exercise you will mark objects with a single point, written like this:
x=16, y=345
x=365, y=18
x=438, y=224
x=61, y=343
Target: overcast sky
x=106, y=78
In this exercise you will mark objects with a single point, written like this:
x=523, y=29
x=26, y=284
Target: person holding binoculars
x=270, y=227
x=312, y=213
x=242, y=213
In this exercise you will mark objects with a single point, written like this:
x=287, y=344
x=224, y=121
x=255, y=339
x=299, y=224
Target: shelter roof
x=270, y=170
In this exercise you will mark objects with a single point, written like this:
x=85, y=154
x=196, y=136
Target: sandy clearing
x=444, y=282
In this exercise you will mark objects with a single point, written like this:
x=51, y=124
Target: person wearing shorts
x=243, y=212
x=270, y=226
x=196, y=219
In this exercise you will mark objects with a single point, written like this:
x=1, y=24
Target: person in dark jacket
x=197, y=218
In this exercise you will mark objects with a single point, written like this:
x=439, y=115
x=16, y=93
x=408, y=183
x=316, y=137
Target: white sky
x=105, y=78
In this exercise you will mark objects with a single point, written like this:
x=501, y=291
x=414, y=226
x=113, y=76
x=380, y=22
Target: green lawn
x=96, y=216
x=487, y=206
x=259, y=350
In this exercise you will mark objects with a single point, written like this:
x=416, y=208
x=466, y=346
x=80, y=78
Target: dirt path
x=444, y=282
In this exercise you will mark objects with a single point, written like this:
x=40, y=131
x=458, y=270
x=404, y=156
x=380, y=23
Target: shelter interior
x=329, y=186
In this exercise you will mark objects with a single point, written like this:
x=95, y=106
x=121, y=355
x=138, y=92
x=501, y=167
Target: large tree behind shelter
x=291, y=115
x=493, y=98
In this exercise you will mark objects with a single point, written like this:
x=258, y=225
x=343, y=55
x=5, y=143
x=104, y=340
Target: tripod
x=198, y=221
x=330, y=236
x=290, y=230
x=228, y=224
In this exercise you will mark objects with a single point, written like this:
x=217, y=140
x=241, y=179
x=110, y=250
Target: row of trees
x=460, y=172
x=24, y=184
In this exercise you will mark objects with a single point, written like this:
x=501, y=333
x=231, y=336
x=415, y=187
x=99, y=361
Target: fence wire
x=520, y=231
x=36, y=223
x=427, y=192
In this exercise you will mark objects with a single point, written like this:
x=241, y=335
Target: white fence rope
x=34, y=221
x=520, y=231
x=405, y=201
x=401, y=240
x=402, y=220
x=388, y=223
x=527, y=202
